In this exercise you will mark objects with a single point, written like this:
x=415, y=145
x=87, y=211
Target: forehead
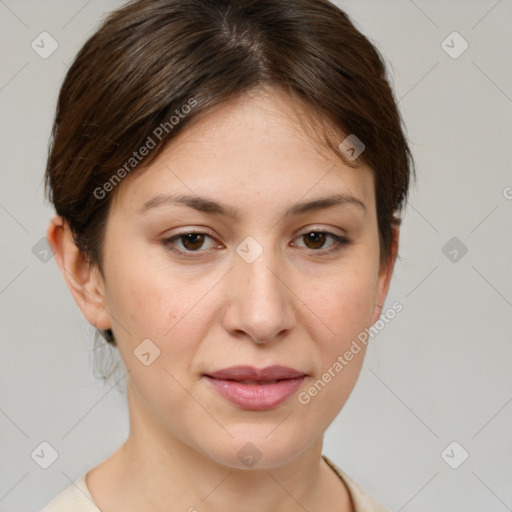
x=251, y=151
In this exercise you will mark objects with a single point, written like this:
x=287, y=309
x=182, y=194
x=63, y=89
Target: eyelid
x=339, y=241
x=321, y=229
x=167, y=242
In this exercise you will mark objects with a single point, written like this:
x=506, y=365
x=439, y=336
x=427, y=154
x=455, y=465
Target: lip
x=256, y=389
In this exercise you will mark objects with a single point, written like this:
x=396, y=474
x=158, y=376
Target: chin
x=258, y=449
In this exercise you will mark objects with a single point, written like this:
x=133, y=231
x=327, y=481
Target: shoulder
x=363, y=502
x=75, y=497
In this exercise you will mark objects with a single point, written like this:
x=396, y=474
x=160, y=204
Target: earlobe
x=83, y=280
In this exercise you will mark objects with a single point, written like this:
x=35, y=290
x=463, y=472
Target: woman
x=228, y=178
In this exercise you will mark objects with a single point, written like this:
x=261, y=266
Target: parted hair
x=154, y=67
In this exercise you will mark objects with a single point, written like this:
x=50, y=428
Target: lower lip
x=256, y=397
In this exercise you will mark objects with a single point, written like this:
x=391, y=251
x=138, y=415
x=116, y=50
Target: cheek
x=342, y=311
x=172, y=311
x=143, y=296
x=168, y=311
x=344, y=305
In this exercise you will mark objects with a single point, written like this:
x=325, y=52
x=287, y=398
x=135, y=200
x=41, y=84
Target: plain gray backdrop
x=436, y=382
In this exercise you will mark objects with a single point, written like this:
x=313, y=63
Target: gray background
x=439, y=372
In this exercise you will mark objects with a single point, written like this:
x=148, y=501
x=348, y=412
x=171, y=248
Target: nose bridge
x=261, y=305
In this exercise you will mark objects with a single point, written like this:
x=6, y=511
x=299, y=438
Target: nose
x=260, y=301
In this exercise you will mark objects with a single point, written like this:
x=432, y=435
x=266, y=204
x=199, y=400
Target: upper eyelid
x=315, y=229
x=202, y=231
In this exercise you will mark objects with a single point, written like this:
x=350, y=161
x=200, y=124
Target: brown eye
x=318, y=241
x=190, y=244
x=192, y=241
x=314, y=240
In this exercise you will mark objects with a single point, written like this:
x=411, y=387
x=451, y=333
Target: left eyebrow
x=326, y=202
x=209, y=206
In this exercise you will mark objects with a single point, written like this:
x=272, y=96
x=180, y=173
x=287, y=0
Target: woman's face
x=271, y=278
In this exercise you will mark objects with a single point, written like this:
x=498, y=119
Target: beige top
x=77, y=498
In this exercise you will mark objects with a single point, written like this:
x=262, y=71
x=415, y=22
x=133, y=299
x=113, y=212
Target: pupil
x=317, y=239
x=193, y=240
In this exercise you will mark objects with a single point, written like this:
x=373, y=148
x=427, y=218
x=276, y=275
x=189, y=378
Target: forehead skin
x=236, y=149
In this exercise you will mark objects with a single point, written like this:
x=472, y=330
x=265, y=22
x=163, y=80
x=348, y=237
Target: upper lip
x=254, y=374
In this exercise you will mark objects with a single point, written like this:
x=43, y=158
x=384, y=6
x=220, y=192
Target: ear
x=85, y=282
x=385, y=274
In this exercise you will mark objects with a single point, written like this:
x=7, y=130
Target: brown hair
x=155, y=67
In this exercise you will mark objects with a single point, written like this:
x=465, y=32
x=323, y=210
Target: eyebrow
x=210, y=206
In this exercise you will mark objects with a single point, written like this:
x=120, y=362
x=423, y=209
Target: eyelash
x=339, y=243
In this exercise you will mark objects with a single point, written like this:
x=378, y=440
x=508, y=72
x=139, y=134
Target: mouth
x=255, y=389
x=254, y=382
x=255, y=375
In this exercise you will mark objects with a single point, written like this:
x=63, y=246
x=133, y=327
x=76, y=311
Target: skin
x=296, y=305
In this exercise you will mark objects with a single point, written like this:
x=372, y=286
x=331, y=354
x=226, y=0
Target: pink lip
x=257, y=395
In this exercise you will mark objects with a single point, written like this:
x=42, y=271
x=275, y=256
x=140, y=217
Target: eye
x=190, y=242
x=315, y=241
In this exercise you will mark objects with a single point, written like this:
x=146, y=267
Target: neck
x=154, y=470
